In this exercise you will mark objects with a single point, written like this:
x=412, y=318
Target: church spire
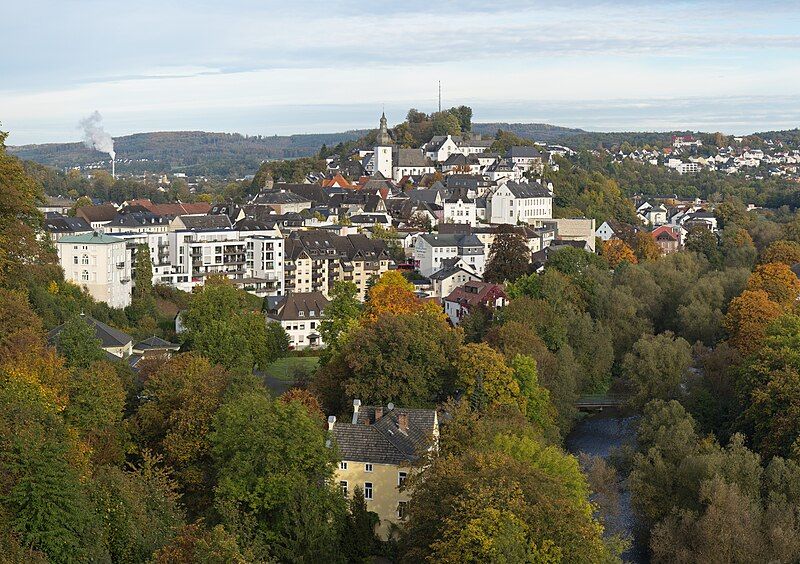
x=383, y=138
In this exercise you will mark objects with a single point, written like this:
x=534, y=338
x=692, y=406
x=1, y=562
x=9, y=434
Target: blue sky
x=264, y=67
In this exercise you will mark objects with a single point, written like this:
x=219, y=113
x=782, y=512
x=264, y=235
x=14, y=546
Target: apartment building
x=433, y=249
x=100, y=263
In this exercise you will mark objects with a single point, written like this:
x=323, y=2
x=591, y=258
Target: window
x=85, y=275
x=401, y=478
x=85, y=259
x=367, y=490
x=343, y=485
x=75, y=259
x=401, y=509
x=368, y=467
x=343, y=465
x=301, y=313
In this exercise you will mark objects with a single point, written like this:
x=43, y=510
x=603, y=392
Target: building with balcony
x=99, y=263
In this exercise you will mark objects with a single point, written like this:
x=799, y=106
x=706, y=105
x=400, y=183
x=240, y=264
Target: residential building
x=458, y=208
x=113, y=341
x=452, y=275
x=409, y=162
x=519, y=202
x=432, y=249
x=97, y=216
x=59, y=226
x=379, y=448
x=282, y=201
x=472, y=295
x=100, y=263
x=299, y=314
x=667, y=238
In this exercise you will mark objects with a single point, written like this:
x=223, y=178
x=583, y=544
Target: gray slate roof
x=382, y=441
x=108, y=336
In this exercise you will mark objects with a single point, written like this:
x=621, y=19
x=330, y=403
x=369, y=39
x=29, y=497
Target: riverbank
x=598, y=435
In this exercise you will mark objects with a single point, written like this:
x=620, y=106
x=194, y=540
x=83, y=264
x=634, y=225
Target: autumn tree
x=786, y=252
x=747, y=318
x=483, y=372
x=392, y=294
x=645, y=247
x=175, y=421
x=509, y=256
x=616, y=251
x=778, y=281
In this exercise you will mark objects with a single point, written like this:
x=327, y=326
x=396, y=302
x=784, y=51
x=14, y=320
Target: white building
x=432, y=249
x=100, y=263
x=519, y=202
x=300, y=314
x=460, y=209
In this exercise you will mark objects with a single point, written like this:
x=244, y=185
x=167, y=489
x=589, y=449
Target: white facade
x=431, y=249
x=382, y=158
x=101, y=264
x=504, y=206
x=460, y=211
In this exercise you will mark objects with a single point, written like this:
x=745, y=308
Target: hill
x=194, y=152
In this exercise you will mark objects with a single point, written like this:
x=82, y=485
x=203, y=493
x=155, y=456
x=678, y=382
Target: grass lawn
x=283, y=368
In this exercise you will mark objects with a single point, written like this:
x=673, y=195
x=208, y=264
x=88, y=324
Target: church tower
x=383, y=150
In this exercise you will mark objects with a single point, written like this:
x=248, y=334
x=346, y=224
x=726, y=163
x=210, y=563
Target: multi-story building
x=315, y=260
x=59, y=226
x=471, y=295
x=100, y=263
x=300, y=314
x=378, y=448
x=432, y=249
x=519, y=202
x=458, y=208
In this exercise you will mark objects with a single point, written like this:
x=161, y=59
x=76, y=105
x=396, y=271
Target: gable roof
x=61, y=224
x=381, y=440
x=105, y=212
x=475, y=293
x=290, y=307
x=109, y=337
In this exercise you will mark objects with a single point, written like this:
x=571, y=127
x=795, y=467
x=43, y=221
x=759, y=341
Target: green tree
x=143, y=286
x=445, y=123
x=77, y=343
x=509, y=256
x=274, y=478
x=480, y=369
x=359, y=539
x=339, y=315
x=701, y=240
x=538, y=409
x=656, y=367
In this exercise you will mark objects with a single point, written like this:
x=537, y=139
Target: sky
x=266, y=67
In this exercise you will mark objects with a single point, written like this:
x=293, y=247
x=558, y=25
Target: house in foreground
x=378, y=448
x=100, y=263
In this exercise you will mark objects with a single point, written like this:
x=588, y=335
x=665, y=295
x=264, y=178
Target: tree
x=274, y=474
x=77, y=343
x=21, y=249
x=509, y=256
x=21, y=330
x=406, y=359
x=481, y=369
x=778, y=281
x=507, y=497
x=656, y=367
x=342, y=311
x=538, y=409
x=445, y=123
x=143, y=285
x=42, y=493
x=645, y=247
x=786, y=252
x=197, y=543
x=701, y=240
x=392, y=294
x=222, y=329
x=138, y=509
x=747, y=318
x=175, y=421
x=359, y=538
x=616, y=251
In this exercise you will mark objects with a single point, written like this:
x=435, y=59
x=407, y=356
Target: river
x=597, y=435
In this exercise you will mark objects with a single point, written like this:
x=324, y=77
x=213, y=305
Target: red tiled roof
x=475, y=293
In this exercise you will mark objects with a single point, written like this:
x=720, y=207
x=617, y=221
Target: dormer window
x=301, y=313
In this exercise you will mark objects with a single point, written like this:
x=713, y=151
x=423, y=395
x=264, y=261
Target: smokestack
x=95, y=137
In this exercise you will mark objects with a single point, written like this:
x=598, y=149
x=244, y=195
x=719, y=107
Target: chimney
x=402, y=422
x=378, y=413
x=356, y=405
x=331, y=422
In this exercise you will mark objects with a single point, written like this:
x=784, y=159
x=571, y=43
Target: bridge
x=599, y=402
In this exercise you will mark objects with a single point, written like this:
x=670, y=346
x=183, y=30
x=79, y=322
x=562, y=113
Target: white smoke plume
x=94, y=136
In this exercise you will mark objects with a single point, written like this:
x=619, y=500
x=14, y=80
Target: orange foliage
x=747, y=318
x=617, y=251
x=306, y=398
x=392, y=294
x=778, y=281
